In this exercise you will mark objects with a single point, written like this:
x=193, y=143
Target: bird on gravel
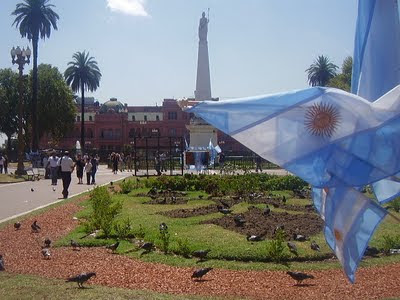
x=292, y=248
x=201, y=254
x=147, y=247
x=17, y=225
x=54, y=189
x=199, y=273
x=1, y=263
x=224, y=211
x=81, y=278
x=299, y=277
x=254, y=238
x=35, y=227
x=226, y=205
x=46, y=253
x=284, y=199
x=314, y=246
x=74, y=245
x=239, y=220
x=47, y=243
x=266, y=211
x=299, y=237
x=113, y=247
x=32, y=190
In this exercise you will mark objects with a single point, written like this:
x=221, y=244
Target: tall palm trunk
x=83, y=119
x=35, y=131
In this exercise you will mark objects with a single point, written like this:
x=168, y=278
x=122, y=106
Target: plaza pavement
x=17, y=199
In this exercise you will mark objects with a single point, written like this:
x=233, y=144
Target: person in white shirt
x=67, y=167
x=88, y=170
x=1, y=163
x=52, y=163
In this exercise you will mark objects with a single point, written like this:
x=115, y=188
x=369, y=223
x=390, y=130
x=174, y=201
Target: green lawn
x=228, y=249
x=32, y=287
x=6, y=178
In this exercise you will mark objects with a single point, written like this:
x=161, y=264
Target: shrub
x=140, y=234
x=164, y=237
x=104, y=210
x=123, y=228
x=276, y=248
x=396, y=204
x=127, y=186
x=390, y=242
x=183, y=247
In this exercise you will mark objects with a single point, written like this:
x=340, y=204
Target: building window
x=133, y=118
x=90, y=118
x=78, y=118
x=89, y=133
x=117, y=133
x=145, y=117
x=132, y=133
x=157, y=118
x=172, y=115
x=172, y=132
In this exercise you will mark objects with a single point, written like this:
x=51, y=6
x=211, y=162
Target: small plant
x=104, y=210
x=140, y=234
x=183, y=247
x=396, y=204
x=276, y=248
x=127, y=186
x=390, y=242
x=164, y=237
x=123, y=228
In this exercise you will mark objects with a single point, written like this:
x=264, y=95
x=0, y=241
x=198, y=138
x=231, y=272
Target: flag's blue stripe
x=364, y=21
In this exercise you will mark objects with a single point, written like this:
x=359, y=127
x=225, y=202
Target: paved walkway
x=17, y=198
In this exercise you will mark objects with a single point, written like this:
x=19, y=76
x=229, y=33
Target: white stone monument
x=200, y=131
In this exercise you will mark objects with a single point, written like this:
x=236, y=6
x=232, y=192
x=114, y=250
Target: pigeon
x=32, y=190
x=54, y=189
x=284, y=199
x=224, y=211
x=17, y=225
x=111, y=183
x=81, y=278
x=371, y=251
x=199, y=273
x=226, y=205
x=47, y=243
x=113, y=247
x=35, y=227
x=298, y=276
x=299, y=237
x=147, y=246
x=253, y=238
x=163, y=227
x=314, y=246
x=266, y=211
x=46, y=253
x=201, y=197
x=239, y=220
x=200, y=254
x=293, y=248
x=75, y=245
x=1, y=263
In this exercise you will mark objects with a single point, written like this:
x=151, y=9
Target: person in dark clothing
x=79, y=168
x=258, y=163
x=95, y=163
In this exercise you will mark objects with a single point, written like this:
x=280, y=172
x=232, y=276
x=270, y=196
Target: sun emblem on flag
x=322, y=119
x=338, y=235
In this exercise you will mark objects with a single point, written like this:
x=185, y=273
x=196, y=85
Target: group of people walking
x=121, y=162
x=64, y=166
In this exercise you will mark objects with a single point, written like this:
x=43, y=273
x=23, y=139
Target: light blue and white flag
x=319, y=134
x=350, y=221
x=376, y=66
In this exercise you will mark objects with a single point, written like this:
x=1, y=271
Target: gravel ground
x=21, y=251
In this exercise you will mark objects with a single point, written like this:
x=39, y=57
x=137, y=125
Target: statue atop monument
x=203, y=27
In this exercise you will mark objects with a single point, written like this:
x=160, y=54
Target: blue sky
x=147, y=49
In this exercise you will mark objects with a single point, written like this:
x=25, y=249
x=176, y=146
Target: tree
x=9, y=98
x=55, y=103
x=343, y=81
x=35, y=18
x=83, y=74
x=321, y=71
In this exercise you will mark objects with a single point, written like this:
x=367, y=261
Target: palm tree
x=83, y=74
x=35, y=18
x=321, y=71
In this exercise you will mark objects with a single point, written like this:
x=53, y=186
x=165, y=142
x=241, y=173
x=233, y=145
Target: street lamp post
x=20, y=57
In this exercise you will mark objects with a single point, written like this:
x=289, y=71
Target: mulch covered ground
x=21, y=251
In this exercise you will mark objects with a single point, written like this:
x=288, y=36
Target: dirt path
x=21, y=252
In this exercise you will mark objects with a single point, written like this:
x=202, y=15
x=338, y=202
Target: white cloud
x=129, y=7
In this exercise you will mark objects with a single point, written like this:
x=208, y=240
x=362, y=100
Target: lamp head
x=13, y=53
